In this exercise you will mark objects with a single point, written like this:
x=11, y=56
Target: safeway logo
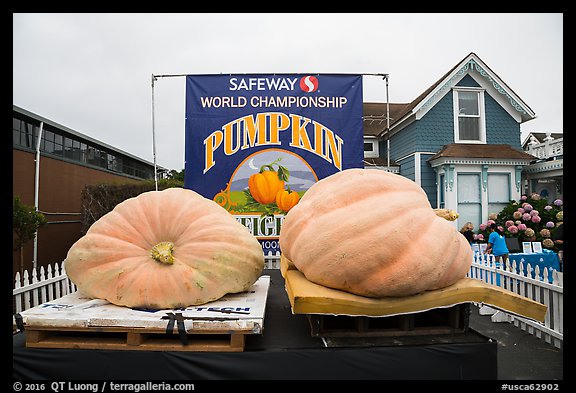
x=309, y=84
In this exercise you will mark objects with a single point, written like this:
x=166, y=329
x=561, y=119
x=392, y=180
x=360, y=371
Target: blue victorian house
x=459, y=140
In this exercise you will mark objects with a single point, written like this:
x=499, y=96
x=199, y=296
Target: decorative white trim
x=544, y=166
x=417, y=169
x=476, y=161
x=472, y=65
x=411, y=154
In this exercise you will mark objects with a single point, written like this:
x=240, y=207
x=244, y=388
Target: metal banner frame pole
x=155, y=77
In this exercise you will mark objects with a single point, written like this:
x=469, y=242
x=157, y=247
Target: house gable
x=472, y=68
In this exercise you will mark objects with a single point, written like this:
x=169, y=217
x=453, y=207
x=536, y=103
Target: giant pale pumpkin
x=165, y=249
x=375, y=234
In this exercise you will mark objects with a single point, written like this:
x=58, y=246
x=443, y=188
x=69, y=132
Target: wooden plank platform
x=75, y=321
x=307, y=297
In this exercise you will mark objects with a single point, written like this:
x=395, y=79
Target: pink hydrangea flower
x=522, y=227
x=509, y=223
x=527, y=207
x=547, y=207
x=526, y=216
x=535, y=219
x=523, y=197
x=521, y=210
x=513, y=229
x=534, y=212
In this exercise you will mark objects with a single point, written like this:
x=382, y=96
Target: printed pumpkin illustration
x=287, y=199
x=265, y=185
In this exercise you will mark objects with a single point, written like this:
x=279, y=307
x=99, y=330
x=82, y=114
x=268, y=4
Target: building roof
x=475, y=150
x=374, y=119
x=404, y=110
x=85, y=137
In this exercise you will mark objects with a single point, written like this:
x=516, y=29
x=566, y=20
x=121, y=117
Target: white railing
x=40, y=286
x=272, y=260
x=546, y=149
x=546, y=287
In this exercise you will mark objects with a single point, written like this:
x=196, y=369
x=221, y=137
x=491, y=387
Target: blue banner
x=299, y=128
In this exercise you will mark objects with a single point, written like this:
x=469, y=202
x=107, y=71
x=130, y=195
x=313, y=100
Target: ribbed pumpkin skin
x=373, y=233
x=213, y=253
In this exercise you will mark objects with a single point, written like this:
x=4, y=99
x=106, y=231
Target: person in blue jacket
x=497, y=244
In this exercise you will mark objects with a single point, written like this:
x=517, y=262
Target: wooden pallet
x=115, y=338
x=450, y=320
x=77, y=321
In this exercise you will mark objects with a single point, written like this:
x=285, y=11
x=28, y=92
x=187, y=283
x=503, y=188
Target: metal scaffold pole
x=154, y=137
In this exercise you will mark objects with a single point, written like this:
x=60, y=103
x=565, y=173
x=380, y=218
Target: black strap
x=19, y=321
x=179, y=319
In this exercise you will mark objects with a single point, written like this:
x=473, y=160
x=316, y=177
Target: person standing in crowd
x=468, y=231
x=497, y=244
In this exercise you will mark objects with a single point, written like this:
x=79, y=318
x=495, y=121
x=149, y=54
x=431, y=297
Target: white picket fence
x=272, y=260
x=51, y=283
x=33, y=289
x=544, y=286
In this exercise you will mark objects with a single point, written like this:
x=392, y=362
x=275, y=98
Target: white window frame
x=481, y=114
x=375, y=152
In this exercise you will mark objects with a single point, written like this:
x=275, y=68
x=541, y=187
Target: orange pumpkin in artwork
x=165, y=249
x=287, y=199
x=265, y=185
x=373, y=233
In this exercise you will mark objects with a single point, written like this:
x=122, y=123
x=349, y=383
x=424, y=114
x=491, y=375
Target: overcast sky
x=92, y=72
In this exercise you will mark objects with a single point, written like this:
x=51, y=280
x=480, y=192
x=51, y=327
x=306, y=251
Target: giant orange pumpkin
x=165, y=249
x=373, y=233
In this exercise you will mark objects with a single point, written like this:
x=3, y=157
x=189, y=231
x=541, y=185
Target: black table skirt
x=286, y=350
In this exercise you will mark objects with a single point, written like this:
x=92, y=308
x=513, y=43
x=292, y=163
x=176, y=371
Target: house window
x=371, y=148
x=469, y=199
x=469, y=116
x=498, y=192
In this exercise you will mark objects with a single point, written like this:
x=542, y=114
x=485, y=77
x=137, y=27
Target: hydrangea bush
x=532, y=218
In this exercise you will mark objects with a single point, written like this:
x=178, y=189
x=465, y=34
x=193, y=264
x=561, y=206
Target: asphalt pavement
x=520, y=355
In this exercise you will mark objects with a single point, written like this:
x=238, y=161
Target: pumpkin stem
x=162, y=252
